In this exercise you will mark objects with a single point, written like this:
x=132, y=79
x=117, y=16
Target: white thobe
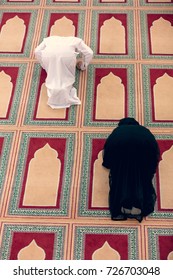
x=57, y=55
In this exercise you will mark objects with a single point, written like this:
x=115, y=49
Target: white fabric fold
x=57, y=55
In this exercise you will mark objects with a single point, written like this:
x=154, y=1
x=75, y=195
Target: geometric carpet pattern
x=53, y=188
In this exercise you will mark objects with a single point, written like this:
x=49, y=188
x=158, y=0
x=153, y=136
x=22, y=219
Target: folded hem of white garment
x=63, y=106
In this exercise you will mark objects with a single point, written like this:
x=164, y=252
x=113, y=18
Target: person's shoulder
x=144, y=128
x=76, y=39
x=115, y=131
x=146, y=132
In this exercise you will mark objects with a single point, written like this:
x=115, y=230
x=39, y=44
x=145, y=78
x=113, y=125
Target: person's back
x=131, y=153
x=58, y=56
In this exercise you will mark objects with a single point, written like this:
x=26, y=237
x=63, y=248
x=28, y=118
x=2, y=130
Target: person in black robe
x=132, y=154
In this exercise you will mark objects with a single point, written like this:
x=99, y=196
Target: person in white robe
x=58, y=56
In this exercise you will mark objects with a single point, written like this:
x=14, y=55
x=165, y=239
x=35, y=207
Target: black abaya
x=132, y=154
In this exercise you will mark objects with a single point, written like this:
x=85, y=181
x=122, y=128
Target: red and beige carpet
x=53, y=188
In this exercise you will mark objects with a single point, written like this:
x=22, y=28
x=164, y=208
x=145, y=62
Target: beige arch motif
x=63, y=27
x=166, y=179
x=31, y=252
x=100, y=184
x=170, y=256
x=68, y=0
x=106, y=252
x=110, y=100
x=163, y=98
x=20, y=1
x=113, y=1
x=43, y=178
x=164, y=1
x=9, y=42
x=161, y=33
x=112, y=37
x=5, y=93
x=44, y=111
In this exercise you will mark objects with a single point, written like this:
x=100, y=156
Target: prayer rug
x=53, y=187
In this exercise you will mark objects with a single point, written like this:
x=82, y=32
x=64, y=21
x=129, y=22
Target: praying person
x=59, y=57
x=132, y=154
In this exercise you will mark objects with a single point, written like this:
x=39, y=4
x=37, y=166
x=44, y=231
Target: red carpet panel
x=53, y=188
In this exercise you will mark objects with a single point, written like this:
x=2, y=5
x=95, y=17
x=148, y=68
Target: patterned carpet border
x=81, y=231
x=58, y=231
x=66, y=3
x=17, y=87
x=90, y=94
x=143, y=3
x=19, y=173
x=85, y=178
x=148, y=96
x=153, y=241
x=47, y=16
x=24, y=3
x=129, y=34
x=30, y=31
x=4, y=156
x=76, y=223
x=145, y=35
x=128, y=3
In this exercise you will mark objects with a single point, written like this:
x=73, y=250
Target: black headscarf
x=128, y=121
